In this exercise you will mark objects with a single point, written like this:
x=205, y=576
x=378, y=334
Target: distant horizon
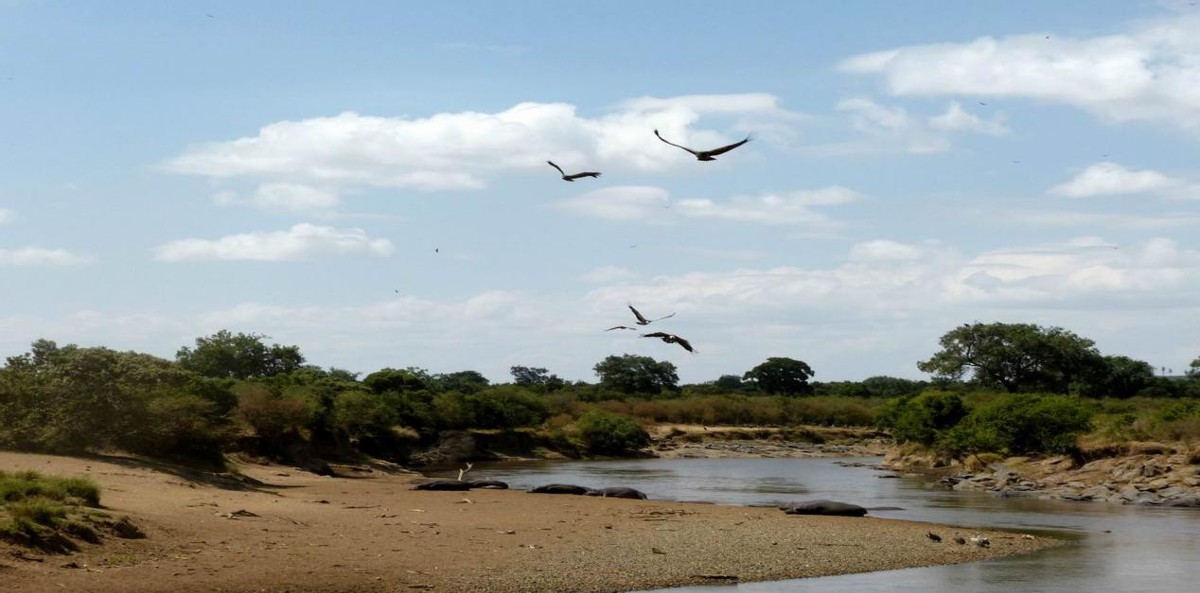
x=370, y=183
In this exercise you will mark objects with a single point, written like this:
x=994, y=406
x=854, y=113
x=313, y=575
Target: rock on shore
x=1147, y=475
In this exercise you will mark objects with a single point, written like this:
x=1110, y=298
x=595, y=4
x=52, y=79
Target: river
x=1111, y=547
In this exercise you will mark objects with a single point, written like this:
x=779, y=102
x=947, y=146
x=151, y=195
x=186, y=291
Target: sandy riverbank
x=374, y=534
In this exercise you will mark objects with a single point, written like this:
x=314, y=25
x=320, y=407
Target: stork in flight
x=670, y=339
x=643, y=321
x=705, y=155
x=574, y=176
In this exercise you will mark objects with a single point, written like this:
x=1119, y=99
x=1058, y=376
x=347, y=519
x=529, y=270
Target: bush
x=1022, y=424
x=605, y=433
x=924, y=418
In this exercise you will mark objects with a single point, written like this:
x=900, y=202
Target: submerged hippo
x=488, y=484
x=823, y=507
x=560, y=489
x=443, y=485
x=618, y=492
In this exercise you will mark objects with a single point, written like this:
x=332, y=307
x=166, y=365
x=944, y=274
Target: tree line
x=233, y=391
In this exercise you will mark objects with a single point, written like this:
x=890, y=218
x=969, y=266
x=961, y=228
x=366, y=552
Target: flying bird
x=705, y=155
x=574, y=176
x=642, y=320
x=620, y=327
x=670, y=339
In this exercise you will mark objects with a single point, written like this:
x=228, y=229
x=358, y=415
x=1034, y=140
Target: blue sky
x=368, y=180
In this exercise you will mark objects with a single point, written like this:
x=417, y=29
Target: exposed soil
x=282, y=529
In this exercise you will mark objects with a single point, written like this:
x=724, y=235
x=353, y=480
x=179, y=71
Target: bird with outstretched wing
x=670, y=339
x=573, y=176
x=705, y=155
x=642, y=320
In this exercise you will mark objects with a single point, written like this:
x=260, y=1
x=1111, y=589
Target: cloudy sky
x=368, y=181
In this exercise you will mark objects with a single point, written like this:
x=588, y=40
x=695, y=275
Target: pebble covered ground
x=299, y=532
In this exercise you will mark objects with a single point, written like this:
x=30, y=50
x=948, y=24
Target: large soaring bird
x=705, y=155
x=574, y=176
x=670, y=339
x=618, y=327
x=643, y=321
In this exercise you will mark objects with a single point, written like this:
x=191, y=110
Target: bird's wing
x=638, y=315
x=619, y=327
x=672, y=143
x=663, y=317
x=725, y=149
x=584, y=174
x=682, y=342
x=557, y=167
x=656, y=335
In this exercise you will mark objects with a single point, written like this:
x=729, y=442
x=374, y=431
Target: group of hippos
x=460, y=485
x=811, y=507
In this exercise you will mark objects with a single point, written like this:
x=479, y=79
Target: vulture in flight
x=574, y=176
x=620, y=327
x=670, y=339
x=705, y=155
x=643, y=321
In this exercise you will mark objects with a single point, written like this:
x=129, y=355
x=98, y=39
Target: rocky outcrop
x=1161, y=479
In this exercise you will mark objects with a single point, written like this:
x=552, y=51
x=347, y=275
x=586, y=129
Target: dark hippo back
x=823, y=507
x=618, y=492
x=443, y=485
x=560, y=489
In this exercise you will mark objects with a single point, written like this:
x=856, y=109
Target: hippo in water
x=618, y=492
x=443, y=485
x=560, y=489
x=823, y=507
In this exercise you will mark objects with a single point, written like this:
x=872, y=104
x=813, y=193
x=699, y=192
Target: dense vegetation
x=996, y=387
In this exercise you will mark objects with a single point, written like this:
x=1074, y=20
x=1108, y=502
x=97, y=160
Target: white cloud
x=895, y=129
x=37, y=256
x=884, y=250
x=631, y=202
x=653, y=205
x=605, y=274
x=956, y=119
x=1111, y=178
x=301, y=241
x=1067, y=218
x=6, y=215
x=461, y=150
x=292, y=197
x=791, y=208
x=1148, y=74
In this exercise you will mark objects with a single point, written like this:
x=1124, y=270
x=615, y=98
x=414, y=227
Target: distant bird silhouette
x=642, y=320
x=620, y=327
x=934, y=537
x=574, y=176
x=960, y=540
x=670, y=339
x=705, y=155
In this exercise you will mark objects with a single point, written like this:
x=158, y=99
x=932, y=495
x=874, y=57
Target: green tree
x=1193, y=371
x=1022, y=424
x=397, y=380
x=729, y=383
x=463, y=381
x=1015, y=356
x=884, y=386
x=607, y=433
x=924, y=418
x=238, y=356
x=536, y=377
x=781, y=375
x=1120, y=377
x=630, y=373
